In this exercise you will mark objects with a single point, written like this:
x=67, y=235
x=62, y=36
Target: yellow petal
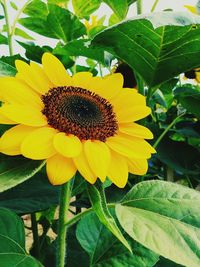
x=83, y=167
x=118, y=170
x=136, y=130
x=11, y=140
x=82, y=79
x=5, y=120
x=26, y=73
x=107, y=87
x=198, y=76
x=15, y=91
x=60, y=169
x=130, y=147
x=128, y=97
x=43, y=81
x=130, y=114
x=55, y=70
x=191, y=9
x=130, y=106
x=68, y=146
x=39, y=144
x=23, y=114
x=137, y=166
x=98, y=157
x=144, y=143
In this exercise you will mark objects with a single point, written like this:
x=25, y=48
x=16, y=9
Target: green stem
x=154, y=5
x=166, y=130
x=17, y=17
x=5, y=10
x=65, y=196
x=79, y=216
x=139, y=7
x=36, y=243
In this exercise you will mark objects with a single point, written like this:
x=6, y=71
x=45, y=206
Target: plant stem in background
x=166, y=130
x=5, y=10
x=154, y=5
x=12, y=32
x=65, y=195
x=34, y=228
x=139, y=7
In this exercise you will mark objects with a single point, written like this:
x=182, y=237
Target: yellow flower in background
x=194, y=9
x=193, y=74
x=82, y=123
x=94, y=22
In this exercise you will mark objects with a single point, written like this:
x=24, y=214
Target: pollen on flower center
x=78, y=111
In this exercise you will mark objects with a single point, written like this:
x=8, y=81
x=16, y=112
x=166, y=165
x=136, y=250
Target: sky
x=176, y=5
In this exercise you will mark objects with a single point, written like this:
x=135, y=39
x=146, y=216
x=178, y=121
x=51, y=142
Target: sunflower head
x=80, y=123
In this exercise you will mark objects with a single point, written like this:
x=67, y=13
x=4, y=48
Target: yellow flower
x=193, y=74
x=194, y=9
x=75, y=123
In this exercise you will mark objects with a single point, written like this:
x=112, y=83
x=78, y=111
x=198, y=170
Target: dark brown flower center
x=77, y=111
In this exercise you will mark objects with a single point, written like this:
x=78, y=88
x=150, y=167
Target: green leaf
x=189, y=97
x=158, y=46
x=36, y=8
x=15, y=170
x=84, y=8
x=81, y=48
x=12, y=240
x=13, y=5
x=33, y=195
x=105, y=250
x=173, y=239
x=166, y=263
x=54, y=22
x=19, y=32
x=6, y=69
x=120, y=7
x=9, y=224
x=35, y=52
x=64, y=24
x=3, y=39
x=180, y=156
x=167, y=199
x=98, y=201
x=10, y=60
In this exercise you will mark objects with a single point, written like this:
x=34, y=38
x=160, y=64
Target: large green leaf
x=120, y=7
x=168, y=237
x=52, y=21
x=6, y=69
x=158, y=46
x=168, y=199
x=12, y=240
x=64, y=24
x=83, y=8
x=98, y=201
x=15, y=170
x=105, y=250
x=33, y=195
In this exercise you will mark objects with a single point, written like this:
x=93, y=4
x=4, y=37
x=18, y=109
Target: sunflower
x=193, y=74
x=75, y=123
